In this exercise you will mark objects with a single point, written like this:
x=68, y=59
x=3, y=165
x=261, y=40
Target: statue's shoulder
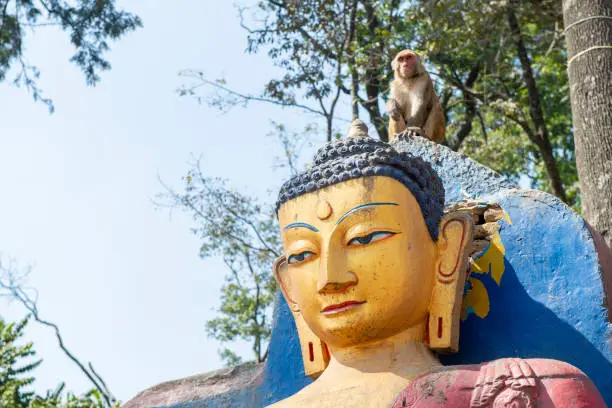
x=280, y=404
x=526, y=382
x=305, y=398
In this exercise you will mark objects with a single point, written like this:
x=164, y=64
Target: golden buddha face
x=360, y=261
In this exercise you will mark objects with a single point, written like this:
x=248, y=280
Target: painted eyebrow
x=302, y=225
x=359, y=207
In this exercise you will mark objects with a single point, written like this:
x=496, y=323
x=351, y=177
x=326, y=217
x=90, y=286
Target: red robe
x=509, y=382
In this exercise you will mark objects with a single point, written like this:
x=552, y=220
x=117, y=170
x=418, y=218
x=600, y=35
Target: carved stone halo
x=324, y=210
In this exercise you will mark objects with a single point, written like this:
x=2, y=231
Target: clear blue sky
x=122, y=280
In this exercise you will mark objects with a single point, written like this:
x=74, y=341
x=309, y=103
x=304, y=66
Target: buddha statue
x=374, y=273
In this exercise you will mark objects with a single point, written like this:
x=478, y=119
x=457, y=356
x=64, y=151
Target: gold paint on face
x=324, y=210
x=366, y=271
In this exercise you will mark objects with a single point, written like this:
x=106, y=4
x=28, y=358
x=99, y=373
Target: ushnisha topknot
x=359, y=156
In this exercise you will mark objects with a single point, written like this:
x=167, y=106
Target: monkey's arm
x=435, y=126
x=396, y=126
x=396, y=116
x=394, y=109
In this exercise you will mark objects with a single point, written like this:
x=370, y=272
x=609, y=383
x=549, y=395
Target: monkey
x=413, y=103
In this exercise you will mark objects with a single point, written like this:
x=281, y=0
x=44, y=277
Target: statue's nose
x=334, y=275
x=334, y=287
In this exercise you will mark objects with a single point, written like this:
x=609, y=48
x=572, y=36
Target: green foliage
x=244, y=233
x=16, y=365
x=229, y=358
x=90, y=24
x=461, y=37
x=329, y=50
x=12, y=367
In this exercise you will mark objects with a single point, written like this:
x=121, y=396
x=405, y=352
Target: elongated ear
x=315, y=354
x=454, y=240
x=281, y=274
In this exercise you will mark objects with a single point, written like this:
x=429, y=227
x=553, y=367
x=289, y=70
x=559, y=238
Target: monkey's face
x=406, y=63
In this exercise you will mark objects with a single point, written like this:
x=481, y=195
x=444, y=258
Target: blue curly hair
x=362, y=156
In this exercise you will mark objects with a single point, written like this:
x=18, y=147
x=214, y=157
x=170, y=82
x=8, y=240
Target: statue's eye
x=368, y=239
x=301, y=257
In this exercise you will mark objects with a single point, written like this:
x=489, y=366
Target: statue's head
x=368, y=253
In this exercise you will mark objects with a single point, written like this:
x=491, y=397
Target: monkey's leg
x=395, y=127
x=434, y=126
x=415, y=131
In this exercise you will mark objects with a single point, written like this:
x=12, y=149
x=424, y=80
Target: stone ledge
x=199, y=386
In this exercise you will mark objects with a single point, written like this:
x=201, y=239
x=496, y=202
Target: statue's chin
x=350, y=336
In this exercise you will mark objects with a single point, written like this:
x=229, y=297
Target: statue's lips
x=341, y=307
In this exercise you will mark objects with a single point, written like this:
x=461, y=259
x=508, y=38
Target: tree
x=512, y=57
x=588, y=28
x=89, y=23
x=12, y=372
x=328, y=49
x=11, y=393
x=497, y=64
x=243, y=232
x=16, y=366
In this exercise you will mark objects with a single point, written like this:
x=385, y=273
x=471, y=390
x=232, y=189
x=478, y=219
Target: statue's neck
x=403, y=354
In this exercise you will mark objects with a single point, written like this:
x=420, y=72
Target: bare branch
x=240, y=217
x=244, y=97
x=234, y=272
x=188, y=203
x=257, y=345
x=12, y=284
x=99, y=378
x=483, y=127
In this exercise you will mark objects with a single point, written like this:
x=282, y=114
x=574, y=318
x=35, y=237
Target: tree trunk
x=354, y=93
x=351, y=62
x=542, y=140
x=589, y=50
x=465, y=127
x=372, y=81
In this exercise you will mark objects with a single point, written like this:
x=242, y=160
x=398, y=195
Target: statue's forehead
x=333, y=201
x=324, y=209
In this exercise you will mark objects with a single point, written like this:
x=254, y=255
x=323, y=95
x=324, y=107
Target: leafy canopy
x=90, y=25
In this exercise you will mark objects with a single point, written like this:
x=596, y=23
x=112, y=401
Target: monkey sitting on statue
x=413, y=104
